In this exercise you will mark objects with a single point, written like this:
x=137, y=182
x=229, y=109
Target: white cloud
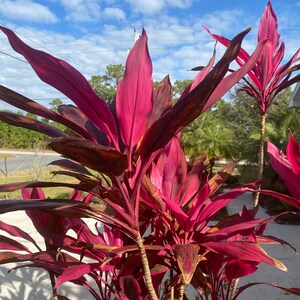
x=180, y=3
x=146, y=8
x=155, y=6
x=114, y=13
x=82, y=10
x=27, y=10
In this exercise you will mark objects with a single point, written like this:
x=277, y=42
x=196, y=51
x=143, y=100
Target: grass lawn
x=44, y=174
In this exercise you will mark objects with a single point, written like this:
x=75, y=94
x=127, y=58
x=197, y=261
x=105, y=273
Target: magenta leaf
x=239, y=268
x=134, y=94
x=244, y=251
x=7, y=243
x=74, y=272
x=17, y=232
x=69, y=81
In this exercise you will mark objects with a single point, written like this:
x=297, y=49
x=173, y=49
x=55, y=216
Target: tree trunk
x=146, y=268
x=260, y=158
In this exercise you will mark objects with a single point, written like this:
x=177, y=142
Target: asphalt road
x=25, y=160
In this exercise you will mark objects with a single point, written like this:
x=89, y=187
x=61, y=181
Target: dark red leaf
x=102, y=159
x=25, y=122
x=33, y=107
x=131, y=288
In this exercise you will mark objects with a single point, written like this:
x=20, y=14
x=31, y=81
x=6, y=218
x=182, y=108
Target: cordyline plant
x=267, y=78
x=160, y=237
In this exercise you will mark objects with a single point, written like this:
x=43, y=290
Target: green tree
x=105, y=85
x=209, y=133
x=55, y=103
x=179, y=86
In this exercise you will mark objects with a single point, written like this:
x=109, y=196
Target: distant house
x=295, y=98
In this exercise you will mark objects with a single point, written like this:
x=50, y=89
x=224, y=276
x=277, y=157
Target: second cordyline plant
x=267, y=78
x=159, y=238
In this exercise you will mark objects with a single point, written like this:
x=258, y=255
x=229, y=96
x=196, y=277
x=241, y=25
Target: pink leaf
x=293, y=154
x=281, y=165
x=238, y=268
x=268, y=26
x=134, y=94
x=74, y=272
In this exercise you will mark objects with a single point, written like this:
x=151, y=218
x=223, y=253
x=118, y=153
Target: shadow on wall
x=33, y=284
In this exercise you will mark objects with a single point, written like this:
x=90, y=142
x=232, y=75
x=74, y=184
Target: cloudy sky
x=90, y=34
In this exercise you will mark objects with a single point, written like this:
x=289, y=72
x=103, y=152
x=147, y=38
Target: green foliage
x=18, y=137
x=231, y=129
x=55, y=103
x=105, y=85
x=209, y=133
x=179, y=86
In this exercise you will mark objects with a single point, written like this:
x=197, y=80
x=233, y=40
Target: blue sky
x=90, y=34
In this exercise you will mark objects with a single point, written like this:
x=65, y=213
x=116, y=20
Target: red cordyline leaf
x=71, y=165
x=239, y=268
x=74, y=272
x=74, y=114
x=10, y=187
x=131, y=288
x=17, y=232
x=162, y=100
x=169, y=172
x=134, y=94
x=33, y=107
x=70, y=82
x=293, y=154
x=244, y=251
x=268, y=26
x=68, y=209
x=220, y=177
x=220, y=201
x=7, y=243
x=187, y=258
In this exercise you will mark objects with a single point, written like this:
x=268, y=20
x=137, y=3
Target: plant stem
x=234, y=287
x=260, y=157
x=172, y=286
x=181, y=292
x=146, y=268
